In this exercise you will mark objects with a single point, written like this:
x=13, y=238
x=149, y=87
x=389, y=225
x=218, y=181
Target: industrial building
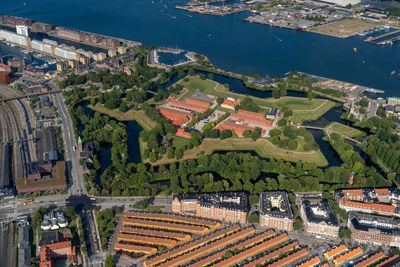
x=224, y=206
x=383, y=201
x=275, y=211
x=318, y=218
x=374, y=229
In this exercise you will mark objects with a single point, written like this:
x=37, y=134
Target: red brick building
x=181, y=132
x=369, y=200
x=238, y=129
x=251, y=117
x=55, y=251
x=191, y=104
x=176, y=117
x=224, y=206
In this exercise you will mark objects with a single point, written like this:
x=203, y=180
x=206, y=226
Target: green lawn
x=345, y=130
x=262, y=147
x=313, y=114
x=131, y=115
x=303, y=108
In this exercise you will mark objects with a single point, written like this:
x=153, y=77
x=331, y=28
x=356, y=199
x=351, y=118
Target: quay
x=372, y=39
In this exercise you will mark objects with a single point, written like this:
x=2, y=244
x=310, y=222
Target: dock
x=372, y=40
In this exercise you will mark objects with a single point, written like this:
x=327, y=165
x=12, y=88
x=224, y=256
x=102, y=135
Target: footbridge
x=329, y=130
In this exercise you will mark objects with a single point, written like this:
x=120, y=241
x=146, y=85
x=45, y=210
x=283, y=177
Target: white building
x=65, y=53
x=15, y=38
x=22, y=30
x=344, y=2
x=42, y=47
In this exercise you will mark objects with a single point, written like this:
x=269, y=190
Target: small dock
x=372, y=40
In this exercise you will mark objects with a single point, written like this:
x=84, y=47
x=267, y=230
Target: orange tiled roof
x=369, y=206
x=335, y=251
x=347, y=256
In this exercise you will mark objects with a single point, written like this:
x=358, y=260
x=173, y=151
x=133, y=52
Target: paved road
x=72, y=157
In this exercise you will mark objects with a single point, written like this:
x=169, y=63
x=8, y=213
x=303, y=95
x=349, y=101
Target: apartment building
x=224, y=206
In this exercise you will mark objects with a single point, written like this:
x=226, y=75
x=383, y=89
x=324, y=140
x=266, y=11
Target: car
x=74, y=148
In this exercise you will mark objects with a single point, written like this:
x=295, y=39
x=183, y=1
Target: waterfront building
x=22, y=30
x=251, y=117
x=41, y=27
x=318, y=218
x=13, y=21
x=15, y=38
x=224, y=206
x=374, y=229
x=383, y=201
x=394, y=101
x=275, y=211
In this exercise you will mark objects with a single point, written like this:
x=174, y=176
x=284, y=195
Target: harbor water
x=227, y=41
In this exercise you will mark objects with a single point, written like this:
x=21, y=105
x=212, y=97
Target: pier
x=372, y=40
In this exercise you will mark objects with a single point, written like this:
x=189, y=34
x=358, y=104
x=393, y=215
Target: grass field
x=131, y=115
x=344, y=28
x=262, y=147
x=303, y=108
x=345, y=130
x=312, y=114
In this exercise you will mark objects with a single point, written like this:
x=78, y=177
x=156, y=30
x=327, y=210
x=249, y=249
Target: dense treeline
x=354, y=165
x=383, y=145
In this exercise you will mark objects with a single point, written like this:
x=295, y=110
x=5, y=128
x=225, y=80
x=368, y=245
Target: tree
x=256, y=134
x=225, y=134
x=253, y=218
x=178, y=154
x=123, y=107
x=109, y=261
x=345, y=233
x=292, y=144
x=297, y=224
x=246, y=133
x=253, y=199
x=282, y=122
x=202, y=76
x=211, y=76
x=276, y=94
x=70, y=212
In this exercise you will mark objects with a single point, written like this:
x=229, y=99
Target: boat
x=355, y=50
x=393, y=72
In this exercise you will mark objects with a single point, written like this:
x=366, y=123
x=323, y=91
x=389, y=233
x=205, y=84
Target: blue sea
x=228, y=42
